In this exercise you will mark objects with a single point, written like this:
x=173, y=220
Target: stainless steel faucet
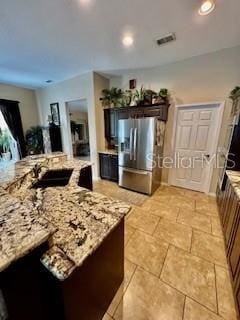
x=36, y=170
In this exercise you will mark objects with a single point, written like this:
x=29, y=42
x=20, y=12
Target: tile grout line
x=211, y=226
x=160, y=218
x=215, y=313
x=171, y=286
x=178, y=214
x=215, y=273
x=185, y=298
x=189, y=252
x=183, y=293
x=207, y=233
x=191, y=242
x=204, y=259
x=125, y=245
x=164, y=262
x=124, y=290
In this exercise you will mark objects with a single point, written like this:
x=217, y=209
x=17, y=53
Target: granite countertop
x=109, y=151
x=234, y=178
x=72, y=219
x=17, y=171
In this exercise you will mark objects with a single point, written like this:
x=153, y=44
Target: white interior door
x=195, y=145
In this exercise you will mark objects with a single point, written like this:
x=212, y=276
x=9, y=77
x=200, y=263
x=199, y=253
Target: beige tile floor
x=112, y=190
x=175, y=263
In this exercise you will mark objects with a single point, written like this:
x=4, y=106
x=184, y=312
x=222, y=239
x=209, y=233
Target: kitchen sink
x=54, y=178
x=57, y=174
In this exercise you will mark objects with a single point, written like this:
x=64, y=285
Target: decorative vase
x=133, y=103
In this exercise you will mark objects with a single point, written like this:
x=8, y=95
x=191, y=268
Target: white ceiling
x=57, y=39
x=78, y=105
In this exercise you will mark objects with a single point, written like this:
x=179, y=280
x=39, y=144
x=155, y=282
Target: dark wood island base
x=84, y=295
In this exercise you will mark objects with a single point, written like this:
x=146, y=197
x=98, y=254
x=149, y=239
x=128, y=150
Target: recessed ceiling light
x=85, y=3
x=128, y=40
x=207, y=6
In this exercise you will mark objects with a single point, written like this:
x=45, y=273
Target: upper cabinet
x=111, y=117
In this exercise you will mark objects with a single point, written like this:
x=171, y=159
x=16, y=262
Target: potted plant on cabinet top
x=111, y=97
x=5, y=145
x=235, y=93
x=139, y=96
x=161, y=96
x=148, y=97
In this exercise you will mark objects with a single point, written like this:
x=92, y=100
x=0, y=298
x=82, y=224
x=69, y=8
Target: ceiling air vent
x=166, y=39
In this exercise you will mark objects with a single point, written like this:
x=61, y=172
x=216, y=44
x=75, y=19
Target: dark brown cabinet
x=111, y=117
x=108, y=166
x=234, y=251
x=123, y=114
x=85, y=178
x=55, y=137
x=229, y=209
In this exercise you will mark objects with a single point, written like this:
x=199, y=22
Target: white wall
x=201, y=78
x=209, y=77
x=100, y=83
x=78, y=116
x=80, y=87
x=28, y=104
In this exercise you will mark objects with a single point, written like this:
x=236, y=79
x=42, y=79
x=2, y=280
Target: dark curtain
x=11, y=114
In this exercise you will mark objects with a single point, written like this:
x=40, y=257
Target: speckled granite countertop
x=74, y=220
x=17, y=171
x=109, y=151
x=234, y=178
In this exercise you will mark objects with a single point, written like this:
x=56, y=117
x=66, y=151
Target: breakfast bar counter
x=69, y=224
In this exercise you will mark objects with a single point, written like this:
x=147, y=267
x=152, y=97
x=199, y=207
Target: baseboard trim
x=212, y=194
x=165, y=184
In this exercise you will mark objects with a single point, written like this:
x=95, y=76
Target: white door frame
x=69, y=134
x=220, y=105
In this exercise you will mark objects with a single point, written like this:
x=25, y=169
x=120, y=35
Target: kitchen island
x=66, y=241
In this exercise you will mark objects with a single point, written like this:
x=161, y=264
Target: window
x=14, y=154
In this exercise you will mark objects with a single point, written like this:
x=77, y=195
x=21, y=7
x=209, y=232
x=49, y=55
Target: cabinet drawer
x=136, y=113
x=160, y=112
x=151, y=112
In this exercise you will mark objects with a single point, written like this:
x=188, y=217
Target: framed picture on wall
x=55, y=113
x=132, y=84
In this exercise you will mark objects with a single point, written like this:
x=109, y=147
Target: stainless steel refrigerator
x=140, y=144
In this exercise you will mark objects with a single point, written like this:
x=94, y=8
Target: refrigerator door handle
x=130, y=142
x=135, y=144
x=144, y=173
